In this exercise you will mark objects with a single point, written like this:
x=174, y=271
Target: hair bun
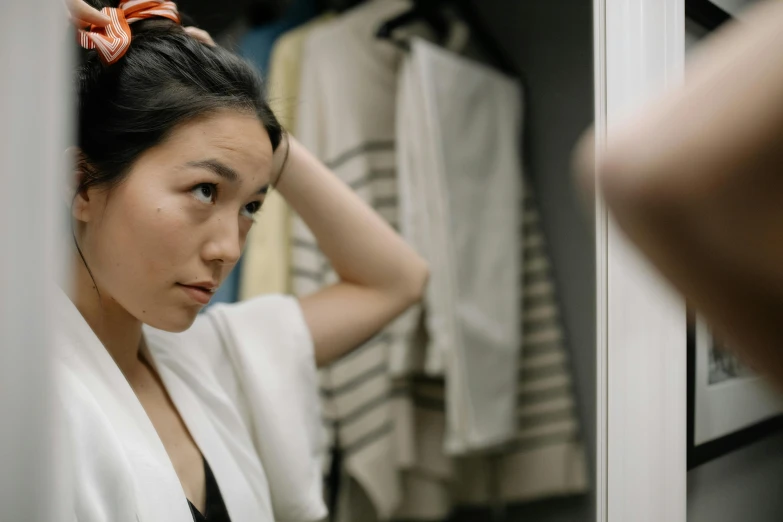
x=155, y=26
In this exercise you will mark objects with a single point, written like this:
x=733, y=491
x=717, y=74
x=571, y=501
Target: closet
x=455, y=120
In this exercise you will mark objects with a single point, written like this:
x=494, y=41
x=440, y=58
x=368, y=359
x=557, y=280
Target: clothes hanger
x=434, y=13
x=337, y=6
x=428, y=11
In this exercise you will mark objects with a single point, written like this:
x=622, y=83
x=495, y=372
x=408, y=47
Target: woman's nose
x=224, y=244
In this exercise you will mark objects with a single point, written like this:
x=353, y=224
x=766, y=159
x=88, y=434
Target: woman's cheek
x=168, y=234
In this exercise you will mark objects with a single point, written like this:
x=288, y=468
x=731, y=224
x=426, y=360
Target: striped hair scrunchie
x=112, y=41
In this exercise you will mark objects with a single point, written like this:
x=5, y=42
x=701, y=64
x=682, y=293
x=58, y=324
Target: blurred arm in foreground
x=696, y=181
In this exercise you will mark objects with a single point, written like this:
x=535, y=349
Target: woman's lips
x=198, y=294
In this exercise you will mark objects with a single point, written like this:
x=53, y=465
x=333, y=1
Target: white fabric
x=460, y=178
x=244, y=382
x=390, y=429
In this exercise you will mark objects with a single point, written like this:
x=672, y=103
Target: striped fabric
x=357, y=390
x=113, y=41
x=458, y=135
x=546, y=457
x=543, y=456
x=388, y=430
x=346, y=118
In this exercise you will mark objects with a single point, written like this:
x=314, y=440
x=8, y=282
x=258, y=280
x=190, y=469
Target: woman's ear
x=77, y=198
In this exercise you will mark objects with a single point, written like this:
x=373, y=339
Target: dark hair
x=165, y=79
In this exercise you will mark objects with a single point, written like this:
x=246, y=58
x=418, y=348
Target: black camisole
x=215, y=510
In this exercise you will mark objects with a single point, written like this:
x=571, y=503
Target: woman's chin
x=174, y=320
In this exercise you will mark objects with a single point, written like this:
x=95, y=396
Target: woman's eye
x=251, y=208
x=205, y=192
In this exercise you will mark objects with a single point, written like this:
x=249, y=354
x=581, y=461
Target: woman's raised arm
x=380, y=275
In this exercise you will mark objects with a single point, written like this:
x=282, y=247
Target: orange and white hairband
x=112, y=41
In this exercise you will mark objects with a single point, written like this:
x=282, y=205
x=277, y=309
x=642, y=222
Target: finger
x=200, y=35
x=79, y=24
x=83, y=12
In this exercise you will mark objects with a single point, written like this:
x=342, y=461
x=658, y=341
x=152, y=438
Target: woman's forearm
x=380, y=276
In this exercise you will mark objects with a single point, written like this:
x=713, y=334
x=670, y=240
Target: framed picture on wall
x=713, y=13
x=706, y=13
x=728, y=405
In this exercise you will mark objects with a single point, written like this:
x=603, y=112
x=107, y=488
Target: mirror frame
x=641, y=332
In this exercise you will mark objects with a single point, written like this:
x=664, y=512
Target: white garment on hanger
x=243, y=380
x=460, y=182
x=544, y=456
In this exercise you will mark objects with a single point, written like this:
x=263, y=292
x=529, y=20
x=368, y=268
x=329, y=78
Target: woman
x=174, y=416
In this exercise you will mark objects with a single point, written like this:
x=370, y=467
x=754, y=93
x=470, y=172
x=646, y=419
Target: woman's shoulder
x=261, y=308
x=268, y=302
x=264, y=321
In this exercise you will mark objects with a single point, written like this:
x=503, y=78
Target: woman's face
x=165, y=238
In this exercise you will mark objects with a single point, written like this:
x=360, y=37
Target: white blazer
x=243, y=379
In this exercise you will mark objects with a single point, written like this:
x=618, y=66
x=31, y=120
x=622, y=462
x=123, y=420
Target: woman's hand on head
x=280, y=159
x=82, y=14
x=201, y=35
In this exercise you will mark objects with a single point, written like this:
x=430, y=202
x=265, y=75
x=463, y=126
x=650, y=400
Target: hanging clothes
x=285, y=71
x=546, y=458
x=346, y=118
x=267, y=256
x=256, y=45
x=460, y=197
x=460, y=183
x=386, y=419
x=243, y=380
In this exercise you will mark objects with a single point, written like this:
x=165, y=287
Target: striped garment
x=388, y=429
x=546, y=457
x=357, y=389
x=346, y=118
x=460, y=176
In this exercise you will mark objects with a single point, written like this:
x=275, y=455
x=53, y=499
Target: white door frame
x=641, y=341
x=35, y=104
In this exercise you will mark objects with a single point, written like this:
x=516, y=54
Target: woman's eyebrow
x=222, y=170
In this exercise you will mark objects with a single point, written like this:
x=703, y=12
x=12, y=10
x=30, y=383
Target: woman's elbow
x=414, y=284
